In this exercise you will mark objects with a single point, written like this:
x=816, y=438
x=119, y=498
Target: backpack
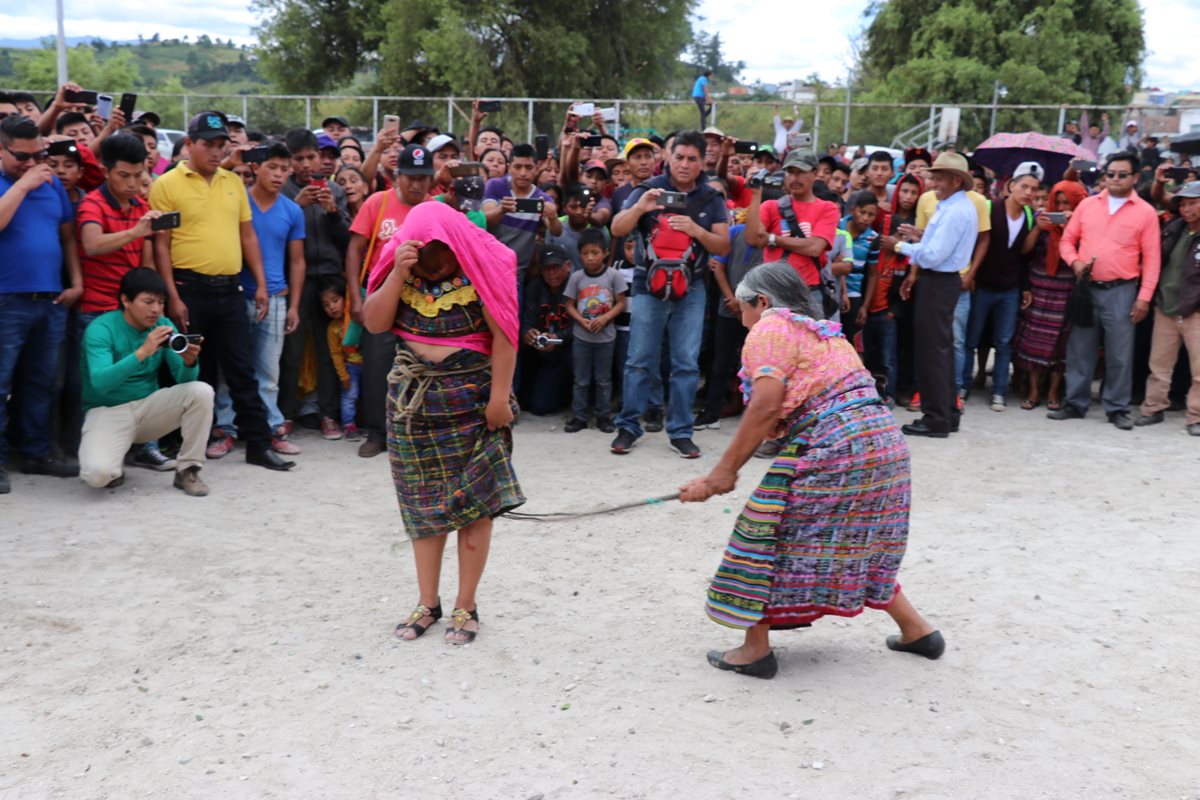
x=831, y=300
x=672, y=255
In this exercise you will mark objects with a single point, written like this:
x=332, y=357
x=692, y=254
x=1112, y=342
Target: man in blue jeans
x=997, y=281
x=37, y=239
x=703, y=222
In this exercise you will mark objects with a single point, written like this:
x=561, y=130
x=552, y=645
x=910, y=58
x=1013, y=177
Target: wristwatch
x=897, y=248
x=770, y=240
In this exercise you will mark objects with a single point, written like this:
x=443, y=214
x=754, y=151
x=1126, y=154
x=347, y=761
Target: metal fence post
x=529, y=105
x=816, y=131
x=450, y=113
x=846, y=124
x=308, y=112
x=1062, y=119
x=617, y=121
x=186, y=115
x=713, y=121
x=932, y=125
x=245, y=109
x=995, y=102
x=374, y=116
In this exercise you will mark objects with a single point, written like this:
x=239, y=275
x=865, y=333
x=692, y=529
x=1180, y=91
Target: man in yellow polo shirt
x=200, y=261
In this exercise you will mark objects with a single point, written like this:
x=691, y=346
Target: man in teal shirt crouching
x=122, y=353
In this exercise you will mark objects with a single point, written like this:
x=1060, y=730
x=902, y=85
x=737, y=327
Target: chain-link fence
x=885, y=125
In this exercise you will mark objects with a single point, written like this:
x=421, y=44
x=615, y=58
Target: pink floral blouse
x=807, y=355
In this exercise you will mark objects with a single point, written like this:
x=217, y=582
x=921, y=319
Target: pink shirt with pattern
x=806, y=355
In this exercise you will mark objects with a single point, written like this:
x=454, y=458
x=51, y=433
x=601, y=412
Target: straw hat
x=955, y=164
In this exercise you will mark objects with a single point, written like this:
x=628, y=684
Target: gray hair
x=779, y=283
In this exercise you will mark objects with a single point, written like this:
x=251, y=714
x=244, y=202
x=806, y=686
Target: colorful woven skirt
x=1041, y=337
x=448, y=468
x=826, y=529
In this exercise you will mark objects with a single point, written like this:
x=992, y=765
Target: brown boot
x=189, y=480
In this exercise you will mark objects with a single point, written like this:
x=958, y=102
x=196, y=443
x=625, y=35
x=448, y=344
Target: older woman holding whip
x=826, y=529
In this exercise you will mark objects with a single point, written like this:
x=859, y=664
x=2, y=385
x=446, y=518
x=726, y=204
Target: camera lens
x=177, y=342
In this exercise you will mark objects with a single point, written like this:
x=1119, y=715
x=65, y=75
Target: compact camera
x=544, y=340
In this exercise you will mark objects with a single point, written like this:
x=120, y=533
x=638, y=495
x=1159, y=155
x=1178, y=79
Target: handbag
x=1081, y=311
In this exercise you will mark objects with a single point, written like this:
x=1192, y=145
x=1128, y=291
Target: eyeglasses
x=1120, y=176
x=40, y=155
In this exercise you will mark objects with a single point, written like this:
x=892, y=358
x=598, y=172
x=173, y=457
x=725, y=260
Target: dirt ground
x=239, y=646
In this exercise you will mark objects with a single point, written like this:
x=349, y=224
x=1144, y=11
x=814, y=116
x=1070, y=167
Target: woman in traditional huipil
x=449, y=291
x=826, y=529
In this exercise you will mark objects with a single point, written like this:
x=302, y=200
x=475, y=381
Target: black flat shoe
x=269, y=459
x=931, y=645
x=765, y=667
x=919, y=428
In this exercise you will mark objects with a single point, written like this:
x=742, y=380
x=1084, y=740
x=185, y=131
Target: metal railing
x=860, y=122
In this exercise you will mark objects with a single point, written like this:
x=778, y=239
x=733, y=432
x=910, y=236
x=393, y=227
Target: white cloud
x=776, y=44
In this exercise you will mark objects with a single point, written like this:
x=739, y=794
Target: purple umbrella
x=1004, y=151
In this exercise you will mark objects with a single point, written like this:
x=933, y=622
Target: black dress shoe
x=765, y=667
x=49, y=465
x=269, y=459
x=1149, y=419
x=919, y=428
x=1066, y=412
x=1121, y=420
x=931, y=645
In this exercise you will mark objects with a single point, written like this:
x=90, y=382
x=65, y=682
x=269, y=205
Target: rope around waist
x=408, y=370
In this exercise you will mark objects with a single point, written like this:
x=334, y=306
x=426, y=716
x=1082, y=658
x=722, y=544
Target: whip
x=564, y=516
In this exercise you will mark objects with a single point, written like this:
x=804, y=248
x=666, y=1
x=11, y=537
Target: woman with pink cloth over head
x=448, y=290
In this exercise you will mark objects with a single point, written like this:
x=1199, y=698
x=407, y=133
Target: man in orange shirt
x=1115, y=235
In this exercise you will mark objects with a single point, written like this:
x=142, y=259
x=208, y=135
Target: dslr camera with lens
x=179, y=341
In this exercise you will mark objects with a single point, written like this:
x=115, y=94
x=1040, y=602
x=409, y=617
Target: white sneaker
x=998, y=403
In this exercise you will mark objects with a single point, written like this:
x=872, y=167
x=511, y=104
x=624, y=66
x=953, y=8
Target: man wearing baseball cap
x=1177, y=310
x=997, y=281
x=336, y=127
x=945, y=249
x=380, y=217
x=798, y=227
x=639, y=154
x=201, y=262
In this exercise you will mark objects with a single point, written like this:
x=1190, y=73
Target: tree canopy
x=538, y=48
x=1080, y=52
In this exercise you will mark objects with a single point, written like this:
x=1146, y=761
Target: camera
x=179, y=341
x=757, y=180
x=545, y=340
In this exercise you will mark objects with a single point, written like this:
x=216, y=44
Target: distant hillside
x=203, y=66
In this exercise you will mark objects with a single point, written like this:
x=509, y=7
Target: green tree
x=505, y=47
x=120, y=72
x=39, y=70
x=1043, y=52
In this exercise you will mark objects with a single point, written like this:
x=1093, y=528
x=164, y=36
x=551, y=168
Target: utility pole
x=62, y=45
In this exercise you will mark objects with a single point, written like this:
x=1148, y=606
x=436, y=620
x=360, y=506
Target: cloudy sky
x=821, y=44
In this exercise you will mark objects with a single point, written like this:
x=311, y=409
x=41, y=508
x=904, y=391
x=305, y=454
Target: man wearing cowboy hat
x=947, y=244
x=1177, y=310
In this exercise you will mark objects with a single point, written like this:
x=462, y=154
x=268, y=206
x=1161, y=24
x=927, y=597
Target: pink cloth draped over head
x=489, y=265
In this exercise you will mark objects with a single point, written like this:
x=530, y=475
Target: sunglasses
x=40, y=155
x=1120, y=176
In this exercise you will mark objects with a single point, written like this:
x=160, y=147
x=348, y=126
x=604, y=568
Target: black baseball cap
x=416, y=159
x=147, y=116
x=420, y=126
x=552, y=254
x=208, y=125
x=469, y=193
x=338, y=119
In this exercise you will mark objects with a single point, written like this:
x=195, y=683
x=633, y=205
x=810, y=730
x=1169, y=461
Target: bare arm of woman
x=379, y=309
x=758, y=423
x=504, y=363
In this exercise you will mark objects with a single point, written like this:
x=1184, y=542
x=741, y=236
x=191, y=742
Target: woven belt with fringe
x=409, y=369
